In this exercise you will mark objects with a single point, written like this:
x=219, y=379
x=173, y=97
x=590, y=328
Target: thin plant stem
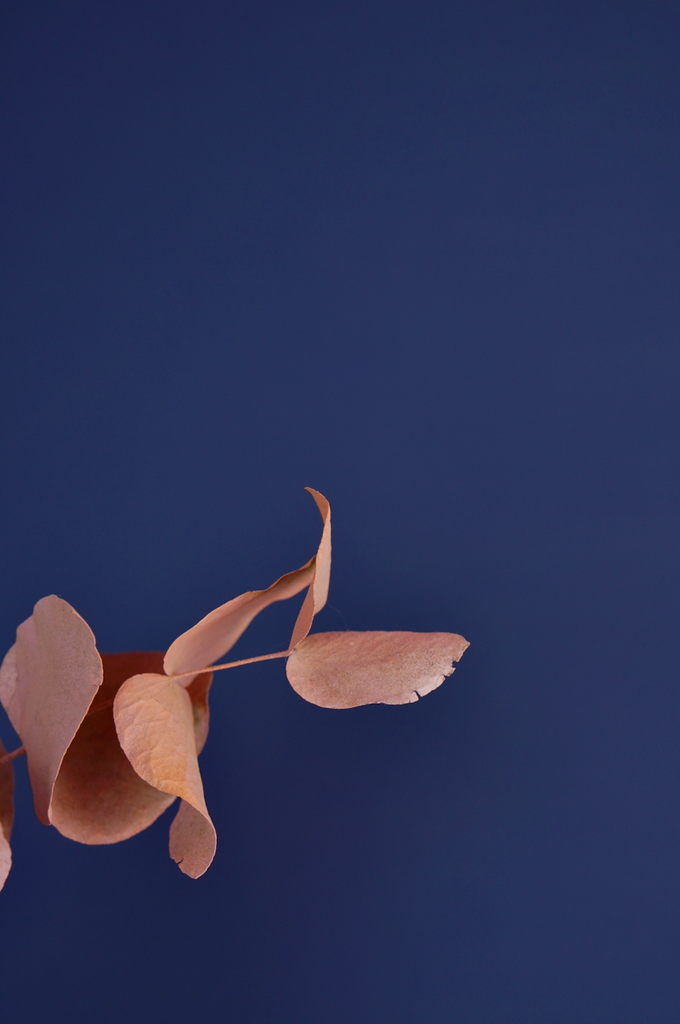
x=231, y=664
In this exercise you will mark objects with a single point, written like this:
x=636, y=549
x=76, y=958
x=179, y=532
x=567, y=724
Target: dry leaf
x=318, y=590
x=48, y=681
x=6, y=815
x=345, y=670
x=218, y=631
x=155, y=725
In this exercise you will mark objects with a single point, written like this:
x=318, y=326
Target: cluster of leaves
x=113, y=739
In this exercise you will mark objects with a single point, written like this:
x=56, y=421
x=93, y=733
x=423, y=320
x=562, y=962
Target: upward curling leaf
x=219, y=630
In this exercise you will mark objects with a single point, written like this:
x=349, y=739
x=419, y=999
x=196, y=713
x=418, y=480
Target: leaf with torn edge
x=346, y=670
x=6, y=815
x=218, y=631
x=155, y=725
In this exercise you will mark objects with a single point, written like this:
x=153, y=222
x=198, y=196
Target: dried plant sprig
x=112, y=740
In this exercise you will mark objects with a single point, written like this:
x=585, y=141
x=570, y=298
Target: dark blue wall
x=422, y=256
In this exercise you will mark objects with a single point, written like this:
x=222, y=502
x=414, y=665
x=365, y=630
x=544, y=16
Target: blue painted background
x=422, y=256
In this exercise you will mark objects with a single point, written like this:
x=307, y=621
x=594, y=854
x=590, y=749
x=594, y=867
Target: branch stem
x=231, y=664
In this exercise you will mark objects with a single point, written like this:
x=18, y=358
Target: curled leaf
x=155, y=724
x=345, y=670
x=6, y=815
x=318, y=590
x=218, y=631
x=47, y=683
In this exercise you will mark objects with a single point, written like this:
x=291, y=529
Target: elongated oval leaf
x=155, y=725
x=6, y=815
x=218, y=631
x=345, y=670
x=48, y=684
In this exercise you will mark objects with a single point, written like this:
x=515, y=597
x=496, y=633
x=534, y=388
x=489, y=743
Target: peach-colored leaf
x=155, y=725
x=318, y=590
x=218, y=631
x=6, y=815
x=47, y=684
x=345, y=670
